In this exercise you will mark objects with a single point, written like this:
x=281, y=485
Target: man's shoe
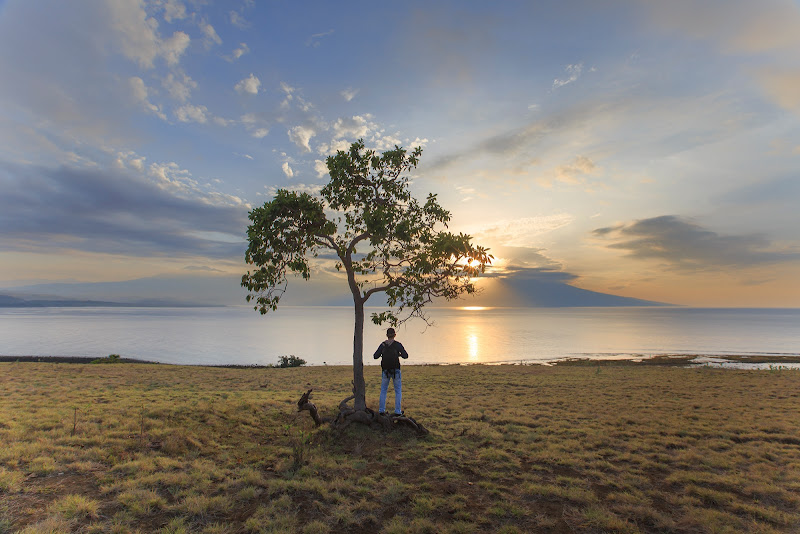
x=382, y=413
x=399, y=414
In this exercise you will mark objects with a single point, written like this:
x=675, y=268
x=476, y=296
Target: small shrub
x=290, y=361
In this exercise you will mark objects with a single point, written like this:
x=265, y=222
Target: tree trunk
x=359, y=387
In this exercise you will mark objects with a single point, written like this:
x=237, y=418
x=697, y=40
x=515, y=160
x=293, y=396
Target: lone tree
x=385, y=241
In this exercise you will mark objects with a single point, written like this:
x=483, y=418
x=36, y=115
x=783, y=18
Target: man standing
x=390, y=352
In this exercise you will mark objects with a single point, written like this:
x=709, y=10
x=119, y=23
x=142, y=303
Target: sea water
x=324, y=335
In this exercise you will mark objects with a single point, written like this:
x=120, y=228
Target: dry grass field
x=611, y=448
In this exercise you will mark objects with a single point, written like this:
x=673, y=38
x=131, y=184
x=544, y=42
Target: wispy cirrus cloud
x=524, y=231
x=573, y=73
x=315, y=40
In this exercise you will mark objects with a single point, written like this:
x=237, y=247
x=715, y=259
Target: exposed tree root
x=305, y=404
x=348, y=415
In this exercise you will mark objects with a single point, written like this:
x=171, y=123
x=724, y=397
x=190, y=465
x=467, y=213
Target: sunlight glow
x=473, y=347
x=474, y=308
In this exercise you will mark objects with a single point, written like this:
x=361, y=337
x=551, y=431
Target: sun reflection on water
x=473, y=347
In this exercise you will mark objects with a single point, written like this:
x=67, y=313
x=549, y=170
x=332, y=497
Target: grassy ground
x=613, y=448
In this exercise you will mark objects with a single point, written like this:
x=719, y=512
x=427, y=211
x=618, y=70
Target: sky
x=646, y=149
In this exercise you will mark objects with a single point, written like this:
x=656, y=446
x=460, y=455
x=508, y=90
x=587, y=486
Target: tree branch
x=361, y=237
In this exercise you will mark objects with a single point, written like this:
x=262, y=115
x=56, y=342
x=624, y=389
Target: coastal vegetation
x=573, y=448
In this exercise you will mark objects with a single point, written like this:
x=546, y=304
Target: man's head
x=390, y=333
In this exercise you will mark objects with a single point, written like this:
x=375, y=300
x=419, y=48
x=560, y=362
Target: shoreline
x=738, y=361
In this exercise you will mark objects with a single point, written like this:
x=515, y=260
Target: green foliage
x=284, y=231
x=112, y=358
x=301, y=447
x=290, y=361
x=385, y=239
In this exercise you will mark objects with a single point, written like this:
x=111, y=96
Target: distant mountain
x=545, y=290
x=13, y=302
x=7, y=301
x=548, y=294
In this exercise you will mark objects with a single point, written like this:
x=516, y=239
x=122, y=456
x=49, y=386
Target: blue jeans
x=398, y=391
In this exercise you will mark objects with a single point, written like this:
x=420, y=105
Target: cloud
x=239, y=52
x=386, y=142
x=287, y=170
x=157, y=212
x=417, y=142
x=509, y=260
x=137, y=34
x=173, y=10
x=662, y=125
x=238, y=20
x=249, y=85
x=66, y=75
x=173, y=48
x=542, y=274
x=210, y=37
x=320, y=167
x=353, y=127
x=328, y=149
x=221, y=121
x=256, y=124
x=140, y=93
x=314, y=40
x=192, y=113
x=203, y=268
x=301, y=136
x=524, y=231
x=349, y=93
x=689, y=247
x=288, y=89
x=467, y=193
x=179, y=86
x=130, y=160
x=573, y=72
x=503, y=144
x=572, y=173
x=311, y=189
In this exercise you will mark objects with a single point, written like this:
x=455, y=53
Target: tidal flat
x=130, y=447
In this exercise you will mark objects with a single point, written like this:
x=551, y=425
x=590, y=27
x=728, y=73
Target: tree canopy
x=383, y=238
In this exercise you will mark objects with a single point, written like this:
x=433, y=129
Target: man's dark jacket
x=391, y=352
